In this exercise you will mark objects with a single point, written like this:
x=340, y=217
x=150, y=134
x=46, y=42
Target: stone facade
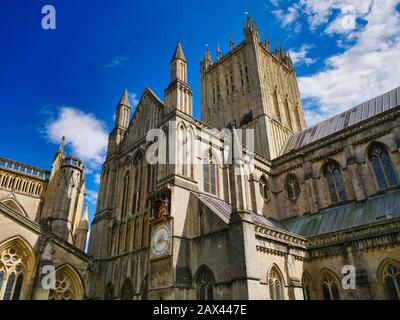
x=43, y=230
x=318, y=199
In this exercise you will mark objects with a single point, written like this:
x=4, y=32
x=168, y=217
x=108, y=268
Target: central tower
x=255, y=88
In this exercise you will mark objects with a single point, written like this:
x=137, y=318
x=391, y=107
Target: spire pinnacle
x=125, y=99
x=178, y=53
x=231, y=43
x=218, y=52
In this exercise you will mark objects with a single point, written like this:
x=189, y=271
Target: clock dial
x=161, y=241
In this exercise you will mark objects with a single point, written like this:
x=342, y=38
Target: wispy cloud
x=301, y=56
x=368, y=65
x=85, y=134
x=91, y=197
x=117, y=61
x=134, y=99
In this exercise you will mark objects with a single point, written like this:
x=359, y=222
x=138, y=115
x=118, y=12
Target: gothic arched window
x=205, y=284
x=127, y=290
x=109, y=292
x=391, y=280
x=292, y=187
x=137, y=187
x=275, y=284
x=210, y=174
x=144, y=288
x=11, y=274
x=307, y=287
x=330, y=288
x=68, y=285
x=335, y=183
x=125, y=190
x=264, y=188
x=383, y=169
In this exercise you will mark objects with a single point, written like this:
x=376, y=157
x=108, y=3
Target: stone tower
x=178, y=95
x=255, y=88
x=122, y=116
x=64, y=196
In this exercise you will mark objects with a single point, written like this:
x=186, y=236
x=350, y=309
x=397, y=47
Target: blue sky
x=67, y=81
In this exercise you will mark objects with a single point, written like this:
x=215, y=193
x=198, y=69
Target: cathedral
x=247, y=203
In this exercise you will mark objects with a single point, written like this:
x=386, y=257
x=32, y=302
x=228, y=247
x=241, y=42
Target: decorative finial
x=231, y=43
x=218, y=52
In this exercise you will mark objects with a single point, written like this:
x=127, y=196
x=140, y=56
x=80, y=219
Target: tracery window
x=391, y=280
x=264, y=188
x=335, y=183
x=275, y=285
x=210, y=175
x=11, y=274
x=292, y=187
x=383, y=169
x=307, y=287
x=330, y=289
x=205, y=284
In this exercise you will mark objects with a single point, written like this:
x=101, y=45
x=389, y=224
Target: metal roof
x=378, y=208
x=344, y=120
x=223, y=211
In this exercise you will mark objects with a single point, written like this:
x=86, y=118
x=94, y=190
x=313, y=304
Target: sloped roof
x=378, y=208
x=223, y=211
x=344, y=120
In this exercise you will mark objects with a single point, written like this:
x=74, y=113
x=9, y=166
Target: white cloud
x=91, y=197
x=115, y=62
x=96, y=178
x=84, y=133
x=369, y=65
x=301, y=56
x=134, y=99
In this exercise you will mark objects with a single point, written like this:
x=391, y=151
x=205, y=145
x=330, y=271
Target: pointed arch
x=69, y=285
x=127, y=290
x=204, y=283
x=307, y=286
x=144, y=288
x=292, y=186
x=388, y=274
x=12, y=203
x=210, y=173
x=109, y=291
x=275, y=283
x=137, y=182
x=334, y=181
x=329, y=285
x=17, y=263
x=383, y=171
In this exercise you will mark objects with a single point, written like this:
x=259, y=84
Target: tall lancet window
x=275, y=284
x=125, y=190
x=383, y=169
x=205, y=284
x=335, y=183
x=137, y=187
x=210, y=174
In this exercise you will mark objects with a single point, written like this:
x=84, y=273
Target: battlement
x=73, y=162
x=279, y=54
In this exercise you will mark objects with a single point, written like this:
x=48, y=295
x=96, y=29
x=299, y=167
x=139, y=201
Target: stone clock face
x=161, y=241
